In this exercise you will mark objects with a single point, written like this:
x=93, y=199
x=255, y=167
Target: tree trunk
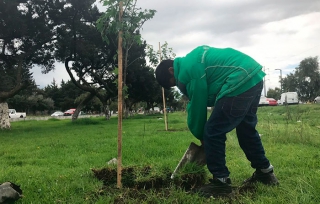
x=126, y=112
x=81, y=105
x=75, y=115
x=4, y=116
x=125, y=108
x=107, y=112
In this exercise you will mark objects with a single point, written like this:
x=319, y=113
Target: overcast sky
x=277, y=33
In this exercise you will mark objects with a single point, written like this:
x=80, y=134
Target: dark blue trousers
x=234, y=112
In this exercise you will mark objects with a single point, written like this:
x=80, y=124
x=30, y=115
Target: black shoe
x=216, y=188
x=265, y=178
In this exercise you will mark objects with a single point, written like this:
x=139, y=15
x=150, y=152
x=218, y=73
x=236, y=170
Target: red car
x=272, y=102
x=69, y=112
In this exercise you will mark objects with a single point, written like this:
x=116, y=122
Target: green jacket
x=207, y=74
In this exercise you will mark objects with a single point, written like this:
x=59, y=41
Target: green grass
x=52, y=160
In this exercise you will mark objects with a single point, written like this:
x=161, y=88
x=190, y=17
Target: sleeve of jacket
x=197, y=106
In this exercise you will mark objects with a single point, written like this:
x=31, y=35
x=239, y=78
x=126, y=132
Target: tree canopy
x=27, y=36
x=305, y=80
x=40, y=33
x=274, y=93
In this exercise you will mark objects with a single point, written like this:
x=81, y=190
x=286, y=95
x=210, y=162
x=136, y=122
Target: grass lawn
x=52, y=160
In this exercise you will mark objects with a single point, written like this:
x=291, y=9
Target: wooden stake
x=165, y=110
x=163, y=98
x=120, y=88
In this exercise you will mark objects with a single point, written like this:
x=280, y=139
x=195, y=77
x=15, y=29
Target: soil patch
x=144, y=178
x=139, y=183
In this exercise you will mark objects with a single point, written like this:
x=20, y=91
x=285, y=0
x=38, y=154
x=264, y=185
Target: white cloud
x=278, y=34
x=283, y=44
x=59, y=74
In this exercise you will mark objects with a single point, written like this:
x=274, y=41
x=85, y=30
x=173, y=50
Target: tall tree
x=132, y=21
x=88, y=59
x=140, y=80
x=305, y=80
x=27, y=34
x=290, y=83
x=308, y=75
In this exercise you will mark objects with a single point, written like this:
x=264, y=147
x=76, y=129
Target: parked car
x=263, y=101
x=272, y=102
x=155, y=109
x=289, y=98
x=317, y=99
x=69, y=112
x=57, y=113
x=14, y=114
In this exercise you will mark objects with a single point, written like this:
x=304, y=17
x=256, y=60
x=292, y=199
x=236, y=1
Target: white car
x=263, y=101
x=155, y=109
x=317, y=99
x=14, y=114
x=57, y=113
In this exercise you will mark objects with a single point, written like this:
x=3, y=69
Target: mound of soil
x=141, y=178
x=137, y=182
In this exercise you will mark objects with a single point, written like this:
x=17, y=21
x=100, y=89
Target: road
x=48, y=117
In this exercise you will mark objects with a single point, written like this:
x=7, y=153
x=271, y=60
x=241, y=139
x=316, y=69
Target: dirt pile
x=144, y=178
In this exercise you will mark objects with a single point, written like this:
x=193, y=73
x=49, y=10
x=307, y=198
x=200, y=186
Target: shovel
x=194, y=154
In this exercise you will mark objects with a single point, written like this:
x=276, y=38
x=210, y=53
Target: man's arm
x=197, y=106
